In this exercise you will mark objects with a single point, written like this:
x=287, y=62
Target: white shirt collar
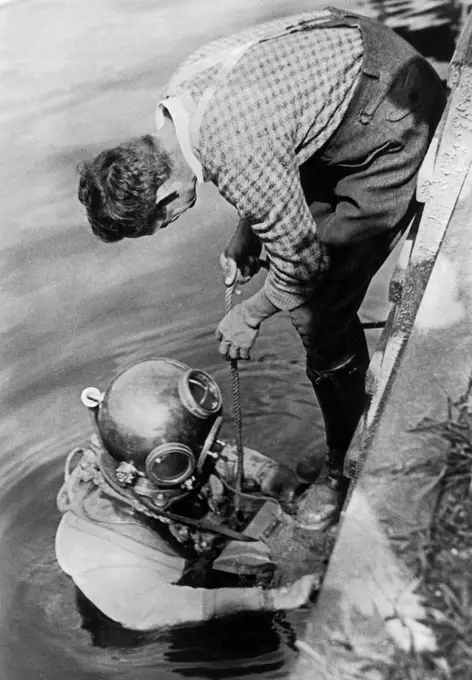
x=181, y=121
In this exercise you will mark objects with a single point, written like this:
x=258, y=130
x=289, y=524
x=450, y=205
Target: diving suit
x=149, y=518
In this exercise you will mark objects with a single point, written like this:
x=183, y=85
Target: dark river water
x=78, y=75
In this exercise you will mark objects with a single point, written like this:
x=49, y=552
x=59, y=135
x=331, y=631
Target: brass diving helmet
x=157, y=421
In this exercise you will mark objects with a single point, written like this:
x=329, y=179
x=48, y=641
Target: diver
x=149, y=519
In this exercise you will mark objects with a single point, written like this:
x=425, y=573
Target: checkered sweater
x=280, y=102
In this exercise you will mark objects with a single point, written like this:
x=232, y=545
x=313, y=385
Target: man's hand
x=238, y=330
x=243, y=250
x=237, y=334
x=230, y=270
x=297, y=594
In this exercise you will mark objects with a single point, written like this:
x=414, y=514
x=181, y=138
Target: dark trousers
x=435, y=41
x=361, y=190
x=361, y=186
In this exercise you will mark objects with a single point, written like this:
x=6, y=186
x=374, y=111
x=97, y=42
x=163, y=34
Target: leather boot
x=341, y=395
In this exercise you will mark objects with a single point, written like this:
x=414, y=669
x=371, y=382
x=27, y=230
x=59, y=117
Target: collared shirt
x=281, y=100
x=181, y=121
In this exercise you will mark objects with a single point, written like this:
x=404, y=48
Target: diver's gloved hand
x=241, y=259
x=281, y=482
x=297, y=594
x=237, y=332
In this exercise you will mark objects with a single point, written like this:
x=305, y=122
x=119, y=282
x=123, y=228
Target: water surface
x=77, y=76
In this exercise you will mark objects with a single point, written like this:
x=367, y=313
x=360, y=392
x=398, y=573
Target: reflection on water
x=78, y=76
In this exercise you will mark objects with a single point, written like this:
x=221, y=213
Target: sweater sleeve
x=263, y=184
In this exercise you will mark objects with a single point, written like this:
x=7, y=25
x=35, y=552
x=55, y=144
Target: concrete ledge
x=368, y=592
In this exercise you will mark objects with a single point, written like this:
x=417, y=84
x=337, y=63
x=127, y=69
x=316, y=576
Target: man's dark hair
x=118, y=188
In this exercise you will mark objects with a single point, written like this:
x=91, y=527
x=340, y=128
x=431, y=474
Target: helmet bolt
x=91, y=397
x=126, y=473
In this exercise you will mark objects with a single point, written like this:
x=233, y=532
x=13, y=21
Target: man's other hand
x=244, y=250
x=230, y=270
x=232, y=273
x=236, y=334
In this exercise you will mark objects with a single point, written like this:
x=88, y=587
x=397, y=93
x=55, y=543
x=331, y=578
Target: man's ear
x=165, y=194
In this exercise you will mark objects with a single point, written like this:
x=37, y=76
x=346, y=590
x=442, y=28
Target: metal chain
x=236, y=405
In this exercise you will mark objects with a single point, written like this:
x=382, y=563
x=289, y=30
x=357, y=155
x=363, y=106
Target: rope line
x=236, y=405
